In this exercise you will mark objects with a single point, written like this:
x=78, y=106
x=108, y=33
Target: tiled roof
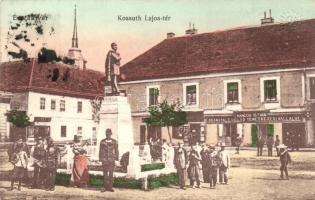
x=242, y=49
x=18, y=77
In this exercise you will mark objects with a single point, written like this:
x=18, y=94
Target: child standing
x=213, y=172
x=20, y=161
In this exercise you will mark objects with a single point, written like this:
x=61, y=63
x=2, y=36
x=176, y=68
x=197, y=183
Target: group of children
x=45, y=163
x=202, y=163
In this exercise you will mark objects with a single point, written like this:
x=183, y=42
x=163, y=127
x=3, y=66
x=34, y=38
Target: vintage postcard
x=170, y=99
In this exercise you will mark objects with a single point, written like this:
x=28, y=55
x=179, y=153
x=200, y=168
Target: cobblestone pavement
x=252, y=183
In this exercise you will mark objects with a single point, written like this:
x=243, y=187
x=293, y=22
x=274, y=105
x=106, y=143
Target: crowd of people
x=205, y=162
x=45, y=163
x=198, y=163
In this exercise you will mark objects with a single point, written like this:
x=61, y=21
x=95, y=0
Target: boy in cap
x=214, y=161
x=20, y=161
x=285, y=159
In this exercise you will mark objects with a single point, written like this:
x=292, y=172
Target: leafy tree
x=166, y=115
x=18, y=118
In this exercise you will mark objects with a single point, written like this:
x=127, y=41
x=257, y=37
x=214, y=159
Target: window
x=79, y=106
x=53, y=104
x=79, y=132
x=62, y=105
x=270, y=90
x=232, y=92
x=63, y=131
x=94, y=136
x=42, y=103
x=191, y=95
x=153, y=96
x=312, y=87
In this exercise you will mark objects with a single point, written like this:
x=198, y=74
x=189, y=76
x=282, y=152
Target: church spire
x=75, y=31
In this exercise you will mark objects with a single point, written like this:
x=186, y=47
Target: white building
x=56, y=97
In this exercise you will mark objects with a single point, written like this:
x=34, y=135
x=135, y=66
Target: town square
x=157, y=100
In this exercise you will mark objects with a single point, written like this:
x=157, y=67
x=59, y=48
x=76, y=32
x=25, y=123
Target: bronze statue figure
x=112, y=65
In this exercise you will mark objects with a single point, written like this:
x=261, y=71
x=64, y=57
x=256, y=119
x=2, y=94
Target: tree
x=166, y=115
x=18, y=118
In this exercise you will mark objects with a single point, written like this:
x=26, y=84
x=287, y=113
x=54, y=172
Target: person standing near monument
x=52, y=155
x=193, y=168
x=225, y=164
x=112, y=65
x=80, y=171
x=180, y=162
x=205, y=163
x=109, y=156
x=20, y=161
x=39, y=163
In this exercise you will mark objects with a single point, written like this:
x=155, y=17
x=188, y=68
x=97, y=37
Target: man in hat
x=108, y=155
x=180, y=162
x=285, y=159
x=225, y=164
x=39, y=165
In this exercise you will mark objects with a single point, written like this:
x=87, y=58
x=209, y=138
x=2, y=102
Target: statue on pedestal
x=112, y=71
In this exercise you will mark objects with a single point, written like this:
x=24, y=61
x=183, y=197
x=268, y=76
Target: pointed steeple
x=74, y=52
x=75, y=30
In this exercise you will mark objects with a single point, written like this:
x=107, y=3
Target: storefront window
x=270, y=90
x=232, y=92
x=63, y=131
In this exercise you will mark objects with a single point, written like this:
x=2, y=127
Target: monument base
x=115, y=113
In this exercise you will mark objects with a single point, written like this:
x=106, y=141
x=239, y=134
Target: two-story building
x=252, y=81
x=57, y=97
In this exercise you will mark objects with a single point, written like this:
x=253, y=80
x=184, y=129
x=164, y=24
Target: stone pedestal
x=134, y=166
x=115, y=114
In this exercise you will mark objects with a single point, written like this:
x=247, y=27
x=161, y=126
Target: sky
x=98, y=24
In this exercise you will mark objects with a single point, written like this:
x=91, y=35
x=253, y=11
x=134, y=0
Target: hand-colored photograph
x=169, y=99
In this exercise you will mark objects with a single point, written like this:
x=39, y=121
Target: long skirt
x=193, y=172
x=80, y=173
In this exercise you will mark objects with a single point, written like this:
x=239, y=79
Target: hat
x=20, y=140
x=211, y=147
x=281, y=146
x=108, y=131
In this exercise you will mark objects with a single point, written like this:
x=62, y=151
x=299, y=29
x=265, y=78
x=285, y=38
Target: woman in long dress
x=80, y=172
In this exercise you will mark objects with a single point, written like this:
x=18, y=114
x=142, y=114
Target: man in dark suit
x=180, y=162
x=108, y=155
x=39, y=163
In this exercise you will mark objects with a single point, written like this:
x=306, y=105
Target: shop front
x=40, y=128
x=251, y=125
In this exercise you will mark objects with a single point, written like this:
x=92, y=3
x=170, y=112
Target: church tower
x=74, y=52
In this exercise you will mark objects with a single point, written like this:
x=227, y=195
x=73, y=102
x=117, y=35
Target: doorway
x=293, y=133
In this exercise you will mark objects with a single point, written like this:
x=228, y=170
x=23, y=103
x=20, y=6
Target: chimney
x=267, y=20
x=191, y=31
x=170, y=35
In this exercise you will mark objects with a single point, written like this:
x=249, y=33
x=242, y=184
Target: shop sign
x=42, y=119
x=259, y=117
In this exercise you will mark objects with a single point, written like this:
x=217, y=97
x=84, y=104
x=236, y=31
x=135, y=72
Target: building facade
x=57, y=98
x=253, y=82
